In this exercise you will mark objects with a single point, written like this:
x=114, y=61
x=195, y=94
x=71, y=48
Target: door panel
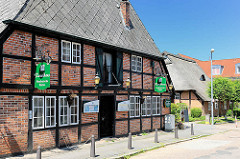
x=106, y=116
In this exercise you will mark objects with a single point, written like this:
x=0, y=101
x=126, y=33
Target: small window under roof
x=202, y=78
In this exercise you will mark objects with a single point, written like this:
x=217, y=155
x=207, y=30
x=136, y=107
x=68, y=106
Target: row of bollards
x=92, y=150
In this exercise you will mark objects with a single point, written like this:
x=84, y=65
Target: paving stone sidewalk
x=118, y=147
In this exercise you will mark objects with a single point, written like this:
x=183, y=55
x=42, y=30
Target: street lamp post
x=212, y=50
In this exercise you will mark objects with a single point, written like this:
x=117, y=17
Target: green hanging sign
x=42, y=76
x=160, y=85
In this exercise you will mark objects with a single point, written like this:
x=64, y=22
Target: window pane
x=48, y=121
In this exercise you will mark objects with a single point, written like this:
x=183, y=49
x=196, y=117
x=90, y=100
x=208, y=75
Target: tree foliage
x=223, y=89
x=236, y=91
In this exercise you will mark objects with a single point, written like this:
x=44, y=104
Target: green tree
x=223, y=89
x=236, y=91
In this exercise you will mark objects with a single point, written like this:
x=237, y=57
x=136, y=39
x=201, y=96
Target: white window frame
x=50, y=111
x=237, y=68
x=209, y=106
x=70, y=115
x=64, y=41
x=177, y=96
x=135, y=106
x=216, y=105
x=217, y=67
x=33, y=106
x=80, y=51
x=156, y=105
x=136, y=63
x=146, y=102
x=59, y=116
x=68, y=112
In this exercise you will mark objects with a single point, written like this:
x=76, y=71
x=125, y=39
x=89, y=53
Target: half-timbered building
x=70, y=69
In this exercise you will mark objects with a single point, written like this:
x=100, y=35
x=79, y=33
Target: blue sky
x=193, y=27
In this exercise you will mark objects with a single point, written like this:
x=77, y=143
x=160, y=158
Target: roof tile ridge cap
x=21, y=10
x=144, y=27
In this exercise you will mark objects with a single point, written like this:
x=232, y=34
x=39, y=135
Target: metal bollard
x=39, y=155
x=176, y=132
x=236, y=121
x=156, y=136
x=192, y=131
x=130, y=141
x=92, y=150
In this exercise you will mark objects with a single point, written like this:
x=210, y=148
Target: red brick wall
x=16, y=71
x=136, y=81
x=121, y=114
x=126, y=61
x=135, y=125
x=44, y=138
x=54, y=74
x=71, y=75
x=121, y=127
x=156, y=122
x=147, y=82
x=146, y=124
x=89, y=117
x=89, y=98
x=147, y=65
x=88, y=131
x=89, y=77
x=13, y=124
x=68, y=136
x=89, y=55
x=125, y=77
x=121, y=97
x=51, y=47
x=19, y=43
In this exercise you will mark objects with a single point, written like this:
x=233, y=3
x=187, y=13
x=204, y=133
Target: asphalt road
x=219, y=146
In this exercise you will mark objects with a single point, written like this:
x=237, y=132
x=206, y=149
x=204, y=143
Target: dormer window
x=217, y=69
x=202, y=78
x=237, y=68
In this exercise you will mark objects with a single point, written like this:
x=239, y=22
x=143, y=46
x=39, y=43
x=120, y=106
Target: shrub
x=229, y=112
x=236, y=111
x=176, y=108
x=196, y=112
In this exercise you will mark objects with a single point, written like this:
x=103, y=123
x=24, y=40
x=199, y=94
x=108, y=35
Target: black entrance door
x=106, y=116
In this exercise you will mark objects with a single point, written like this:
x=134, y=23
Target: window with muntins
x=44, y=106
x=134, y=106
x=177, y=96
x=71, y=52
x=68, y=115
x=136, y=63
x=217, y=69
x=151, y=106
x=76, y=53
x=237, y=68
x=146, y=107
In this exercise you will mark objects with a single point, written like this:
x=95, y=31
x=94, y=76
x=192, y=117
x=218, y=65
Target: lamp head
x=97, y=79
x=128, y=82
x=212, y=50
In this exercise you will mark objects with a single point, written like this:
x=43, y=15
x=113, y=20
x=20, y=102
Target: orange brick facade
x=65, y=78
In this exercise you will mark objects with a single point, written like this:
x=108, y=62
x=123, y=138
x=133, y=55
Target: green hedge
x=176, y=108
x=196, y=112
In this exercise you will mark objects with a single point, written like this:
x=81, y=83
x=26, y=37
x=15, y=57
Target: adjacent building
x=72, y=69
x=190, y=82
x=229, y=68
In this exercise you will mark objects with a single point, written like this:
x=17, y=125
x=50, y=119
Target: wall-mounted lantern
x=97, y=80
x=128, y=82
x=70, y=98
x=141, y=98
x=171, y=87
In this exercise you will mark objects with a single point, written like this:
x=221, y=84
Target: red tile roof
x=228, y=66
